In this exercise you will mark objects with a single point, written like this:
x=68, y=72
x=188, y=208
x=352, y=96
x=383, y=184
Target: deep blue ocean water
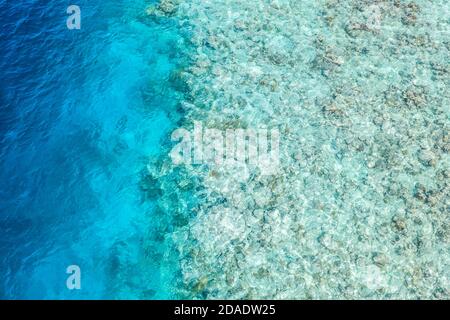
x=81, y=114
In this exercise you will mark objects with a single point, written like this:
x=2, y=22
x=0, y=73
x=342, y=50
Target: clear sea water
x=359, y=93
x=82, y=113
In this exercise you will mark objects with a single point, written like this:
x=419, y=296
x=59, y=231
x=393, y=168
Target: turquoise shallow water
x=358, y=206
x=83, y=113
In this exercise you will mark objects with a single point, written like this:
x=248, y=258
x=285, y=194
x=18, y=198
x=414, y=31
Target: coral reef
x=360, y=206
